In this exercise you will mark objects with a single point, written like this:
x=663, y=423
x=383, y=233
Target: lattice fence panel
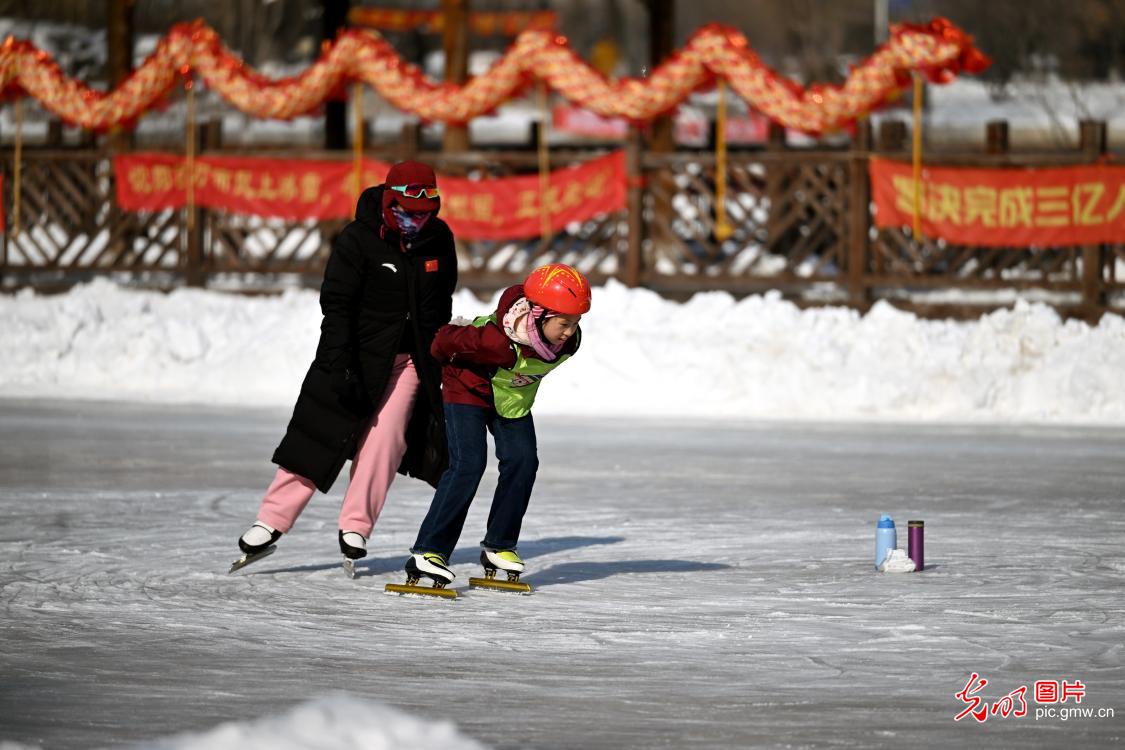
x=790, y=211
x=1115, y=267
x=787, y=220
x=234, y=243
x=808, y=217
x=896, y=254
x=146, y=241
x=68, y=221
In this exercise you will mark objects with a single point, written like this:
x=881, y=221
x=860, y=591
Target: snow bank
x=337, y=721
x=759, y=357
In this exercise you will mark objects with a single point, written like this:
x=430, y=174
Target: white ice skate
x=353, y=545
x=256, y=543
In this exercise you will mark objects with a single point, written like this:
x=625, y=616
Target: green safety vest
x=513, y=391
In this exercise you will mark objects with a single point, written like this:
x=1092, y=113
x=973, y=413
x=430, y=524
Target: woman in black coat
x=372, y=393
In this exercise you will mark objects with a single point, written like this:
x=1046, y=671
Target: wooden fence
x=802, y=226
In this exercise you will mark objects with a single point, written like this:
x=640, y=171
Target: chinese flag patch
x=431, y=265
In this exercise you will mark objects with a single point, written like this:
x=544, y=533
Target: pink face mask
x=544, y=348
x=410, y=224
x=531, y=315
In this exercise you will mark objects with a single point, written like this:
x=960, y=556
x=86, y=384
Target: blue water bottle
x=885, y=539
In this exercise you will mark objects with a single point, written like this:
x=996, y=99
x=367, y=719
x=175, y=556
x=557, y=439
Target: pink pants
x=381, y=448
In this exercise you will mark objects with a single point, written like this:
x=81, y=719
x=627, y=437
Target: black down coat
x=376, y=286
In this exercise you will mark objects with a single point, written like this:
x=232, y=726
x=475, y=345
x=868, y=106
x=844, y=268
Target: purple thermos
x=916, y=548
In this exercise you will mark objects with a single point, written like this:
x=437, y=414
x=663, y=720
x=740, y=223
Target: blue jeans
x=465, y=428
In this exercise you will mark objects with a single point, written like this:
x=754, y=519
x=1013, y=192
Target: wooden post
x=634, y=206
x=996, y=137
x=661, y=41
x=890, y=138
x=779, y=179
x=211, y=135
x=1093, y=143
x=119, y=64
x=54, y=133
x=359, y=133
x=334, y=17
x=455, y=44
x=1092, y=138
x=209, y=138
x=775, y=137
x=410, y=140
x=543, y=149
x=194, y=252
x=119, y=37
x=892, y=135
x=661, y=140
x=859, y=216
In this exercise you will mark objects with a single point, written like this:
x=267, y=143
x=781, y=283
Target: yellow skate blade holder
x=437, y=590
x=513, y=584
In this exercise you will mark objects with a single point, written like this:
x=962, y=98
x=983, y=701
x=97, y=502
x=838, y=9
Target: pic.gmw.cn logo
x=1050, y=697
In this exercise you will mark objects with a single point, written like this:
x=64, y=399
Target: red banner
x=285, y=189
x=1008, y=207
x=492, y=209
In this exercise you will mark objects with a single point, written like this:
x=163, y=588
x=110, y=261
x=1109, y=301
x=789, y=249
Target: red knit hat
x=412, y=176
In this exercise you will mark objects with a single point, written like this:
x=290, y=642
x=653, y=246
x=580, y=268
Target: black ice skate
x=429, y=565
x=256, y=543
x=354, y=546
x=507, y=561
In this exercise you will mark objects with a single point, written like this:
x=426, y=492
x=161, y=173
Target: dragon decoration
x=939, y=50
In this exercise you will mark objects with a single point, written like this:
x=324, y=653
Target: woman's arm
x=339, y=301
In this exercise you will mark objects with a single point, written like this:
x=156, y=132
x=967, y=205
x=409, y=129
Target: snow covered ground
x=699, y=584
x=642, y=355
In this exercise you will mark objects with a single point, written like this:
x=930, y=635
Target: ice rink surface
x=697, y=585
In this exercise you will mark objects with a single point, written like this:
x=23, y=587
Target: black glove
x=347, y=383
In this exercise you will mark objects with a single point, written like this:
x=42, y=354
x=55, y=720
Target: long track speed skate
x=429, y=565
x=507, y=561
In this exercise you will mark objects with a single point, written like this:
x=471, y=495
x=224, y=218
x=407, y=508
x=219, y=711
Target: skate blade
x=248, y=558
x=515, y=587
x=434, y=591
x=349, y=567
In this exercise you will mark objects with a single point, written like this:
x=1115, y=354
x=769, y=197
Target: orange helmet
x=559, y=288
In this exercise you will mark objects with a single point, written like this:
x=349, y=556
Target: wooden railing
x=801, y=221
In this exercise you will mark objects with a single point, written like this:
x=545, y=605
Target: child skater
x=491, y=372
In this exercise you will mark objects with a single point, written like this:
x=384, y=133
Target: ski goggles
x=417, y=191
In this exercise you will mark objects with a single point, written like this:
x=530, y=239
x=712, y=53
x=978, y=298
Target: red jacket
x=470, y=355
